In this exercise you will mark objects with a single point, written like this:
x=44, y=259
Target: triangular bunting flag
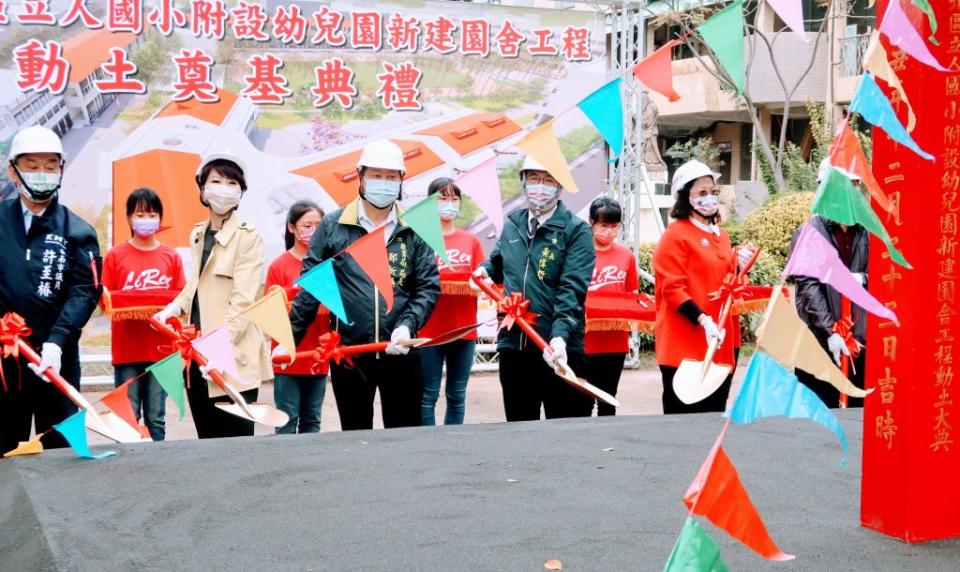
x=837, y=200
x=815, y=257
x=217, y=347
x=482, y=185
x=875, y=108
x=118, y=401
x=74, y=430
x=723, y=32
x=927, y=9
x=846, y=154
x=783, y=335
x=875, y=62
x=770, y=390
x=169, y=374
x=717, y=494
x=604, y=108
x=901, y=33
x=370, y=252
x=656, y=73
x=695, y=551
x=791, y=12
x=424, y=219
x=321, y=283
x=33, y=447
x=542, y=145
x=270, y=315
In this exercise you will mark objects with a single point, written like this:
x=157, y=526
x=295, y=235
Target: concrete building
x=86, y=52
x=19, y=110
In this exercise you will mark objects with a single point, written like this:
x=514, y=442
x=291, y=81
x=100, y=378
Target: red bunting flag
x=118, y=401
x=717, y=494
x=846, y=154
x=370, y=252
x=656, y=72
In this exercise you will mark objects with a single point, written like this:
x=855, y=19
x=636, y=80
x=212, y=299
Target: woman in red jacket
x=298, y=389
x=691, y=261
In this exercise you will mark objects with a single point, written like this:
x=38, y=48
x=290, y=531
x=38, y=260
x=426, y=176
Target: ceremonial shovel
x=561, y=368
x=697, y=380
x=262, y=413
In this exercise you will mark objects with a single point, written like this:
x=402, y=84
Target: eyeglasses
x=541, y=180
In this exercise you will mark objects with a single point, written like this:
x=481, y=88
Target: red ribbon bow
x=734, y=285
x=328, y=349
x=12, y=328
x=183, y=344
x=844, y=329
x=515, y=307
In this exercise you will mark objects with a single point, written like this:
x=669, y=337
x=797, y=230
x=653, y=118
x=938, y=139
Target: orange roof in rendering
x=88, y=50
x=213, y=113
x=468, y=134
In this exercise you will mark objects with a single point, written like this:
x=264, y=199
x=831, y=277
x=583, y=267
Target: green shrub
x=772, y=226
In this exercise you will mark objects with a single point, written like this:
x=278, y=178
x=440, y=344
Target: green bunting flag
x=694, y=551
x=723, y=32
x=927, y=9
x=838, y=201
x=169, y=374
x=424, y=219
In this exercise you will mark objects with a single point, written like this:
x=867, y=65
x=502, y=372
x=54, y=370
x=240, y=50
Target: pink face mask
x=145, y=227
x=306, y=235
x=604, y=236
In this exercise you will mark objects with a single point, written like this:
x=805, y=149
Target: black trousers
x=528, y=382
x=603, y=371
x=401, y=390
x=716, y=402
x=210, y=421
x=828, y=393
x=29, y=400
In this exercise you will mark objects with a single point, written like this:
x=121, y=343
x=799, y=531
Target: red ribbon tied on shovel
x=734, y=285
x=12, y=328
x=328, y=349
x=515, y=307
x=844, y=329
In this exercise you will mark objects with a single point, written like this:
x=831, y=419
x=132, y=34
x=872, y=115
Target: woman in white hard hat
x=416, y=287
x=225, y=278
x=50, y=277
x=690, y=263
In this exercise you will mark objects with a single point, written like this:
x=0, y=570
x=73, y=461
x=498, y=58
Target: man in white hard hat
x=416, y=288
x=50, y=276
x=821, y=307
x=546, y=254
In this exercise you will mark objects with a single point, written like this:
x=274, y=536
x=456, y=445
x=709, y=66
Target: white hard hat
x=825, y=164
x=36, y=139
x=226, y=156
x=382, y=154
x=691, y=171
x=531, y=164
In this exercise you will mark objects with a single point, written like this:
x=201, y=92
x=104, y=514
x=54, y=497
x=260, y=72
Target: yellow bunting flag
x=787, y=339
x=270, y=315
x=542, y=145
x=34, y=447
x=875, y=62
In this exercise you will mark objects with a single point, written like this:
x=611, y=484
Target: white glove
x=556, y=352
x=710, y=329
x=744, y=254
x=479, y=274
x=172, y=310
x=400, y=334
x=837, y=345
x=860, y=278
x=280, y=351
x=205, y=372
x=50, y=358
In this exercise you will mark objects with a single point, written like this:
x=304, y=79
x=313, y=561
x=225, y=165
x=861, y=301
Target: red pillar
x=911, y=433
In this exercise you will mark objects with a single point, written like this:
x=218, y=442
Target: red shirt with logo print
x=127, y=268
x=614, y=271
x=455, y=310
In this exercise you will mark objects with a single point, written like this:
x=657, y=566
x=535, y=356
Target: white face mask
x=222, y=198
x=448, y=211
x=541, y=198
x=380, y=192
x=39, y=186
x=707, y=206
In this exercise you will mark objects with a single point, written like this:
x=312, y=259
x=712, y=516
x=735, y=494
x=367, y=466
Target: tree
x=153, y=56
x=702, y=149
x=324, y=134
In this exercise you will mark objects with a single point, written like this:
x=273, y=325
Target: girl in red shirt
x=614, y=271
x=298, y=389
x=456, y=308
x=142, y=264
x=691, y=261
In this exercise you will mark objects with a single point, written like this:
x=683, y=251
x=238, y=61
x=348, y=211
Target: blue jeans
x=146, y=395
x=300, y=397
x=459, y=358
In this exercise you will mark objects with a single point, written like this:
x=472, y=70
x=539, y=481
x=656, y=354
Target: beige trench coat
x=228, y=284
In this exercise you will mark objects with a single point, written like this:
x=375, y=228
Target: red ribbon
x=328, y=349
x=515, y=307
x=733, y=285
x=183, y=344
x=844, y=329
x=12, y=328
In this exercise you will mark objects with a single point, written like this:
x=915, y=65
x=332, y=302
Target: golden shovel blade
x=261, y=413
x=113, y=427
x=565, y=372
x=693, y=382
x=34, y=447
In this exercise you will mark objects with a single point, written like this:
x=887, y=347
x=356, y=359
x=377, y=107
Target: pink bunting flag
x=791, y=12
x=482, y=184
x=218, y=349
x=901, y=33
x=813, y=256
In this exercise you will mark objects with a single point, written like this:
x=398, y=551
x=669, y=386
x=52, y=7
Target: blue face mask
x=381, y=193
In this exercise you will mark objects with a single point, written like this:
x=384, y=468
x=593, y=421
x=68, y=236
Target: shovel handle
x=487, y=288
x=55, y=378
x=196, y=356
